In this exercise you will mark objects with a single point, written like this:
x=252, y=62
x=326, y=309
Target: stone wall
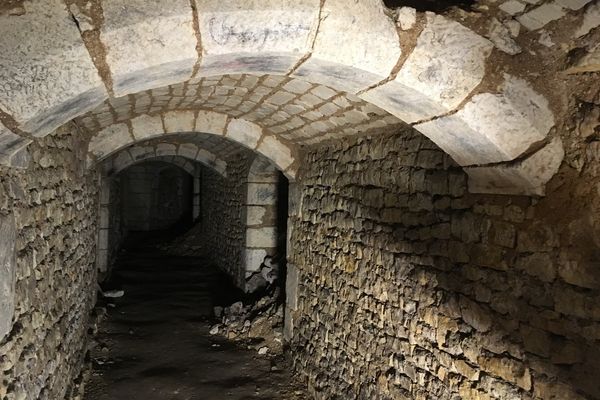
x=223, y=216
x=403, y=286
x=54, y=209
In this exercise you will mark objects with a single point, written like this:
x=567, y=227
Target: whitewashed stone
x=148, y=45
x=244, y=132
x=493, y=127
x=591, y=20
x=109, y=140
x=447, y=64
x=188, y=150
x=147, y=126
x=254, y=259
x=501, y=36
x=46, y=74
x=276, y=151
x=540, y=16
x=407, y=18
x=179, y=121
x=527, y=177
x=211, y=122
x=8, y=264
x=512, y=7
x=261, y=237
x=255, y=36
x=261, y=194
x=356, y=47
x=255, y=215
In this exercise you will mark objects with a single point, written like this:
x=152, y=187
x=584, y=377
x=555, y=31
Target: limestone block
x=572, y=4
x=148, y=45
x=188, y=150
x=261, y=194
x=540, y=16
x=166, y=149
x=255, y=36
x=357, y=46
x=211, y=122
x=140, y=153
x=147, y=126
x=526, y=177
x=8, y=264
x=443, y=69
x=122, y=160
x=261, y=237
x=275, y=150
x=10, y=145
x=110, y=139
x=512, y=7
x=407, y=18
x=254, y=259
x=179, y=121
x=255, y=215
x=46, y=74
x=591, y=20
x=493, y=127
x=244, y=132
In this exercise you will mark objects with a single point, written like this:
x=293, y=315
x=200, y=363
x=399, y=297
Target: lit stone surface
x=109, y=140
x=493, y=127
x=261, y=193
x=10, y=145
x=7, y=273
x=211, y=122
x=447, y=64
x=252, y=36
x=254, y=259
x=407, y=18
x=148, y=45
x=244, y=132
x=363, y=55
x=528, y=177
x=255, y=215
x=275, y=150
x=540, y=16
x=146, y=126
x=46, y=74
x=179, y=121
x=261, y=237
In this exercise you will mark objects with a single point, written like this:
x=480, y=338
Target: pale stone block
x=211, y=122
x=140, y=153
x=512, y=7
x=261, y=194
x=46, y=74
x=254, y=259
x=298, y=86
x=147, y=126
x=357, y=46
x=255, y=36
x=221, y=167
x=188, y=150
x=122, y=160
x=104, y=217
x=261, y=237
x=443, y=69
x=244, y=132
x=407, y=18
x=572, y=4
x=291, y=287
x=103, y=239
x=275, y=150
x=102, y=260
x=591, y=20
x=148, y=45
x=8, y=264
x=540, y=16
x=528, y=177
x=179, y=121
x=166, y=149
x=255, y=215
x=109, y=140
x=493, y=127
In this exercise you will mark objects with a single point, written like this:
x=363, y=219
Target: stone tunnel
x=423, y=177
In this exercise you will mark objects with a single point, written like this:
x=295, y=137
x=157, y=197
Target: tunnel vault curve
x=60, y=60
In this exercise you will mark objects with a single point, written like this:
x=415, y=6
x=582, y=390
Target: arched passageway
x=422, y=259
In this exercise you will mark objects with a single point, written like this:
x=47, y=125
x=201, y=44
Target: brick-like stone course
x=410, y=288
x=54, y=209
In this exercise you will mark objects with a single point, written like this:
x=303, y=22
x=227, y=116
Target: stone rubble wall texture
x=404, y=286
x=271, y=63
x=54, y=208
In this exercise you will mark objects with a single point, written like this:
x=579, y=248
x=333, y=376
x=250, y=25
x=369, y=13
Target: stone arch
x=438, y=83
x=261, y=214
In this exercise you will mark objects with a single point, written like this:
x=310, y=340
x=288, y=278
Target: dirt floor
x=155, y=341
